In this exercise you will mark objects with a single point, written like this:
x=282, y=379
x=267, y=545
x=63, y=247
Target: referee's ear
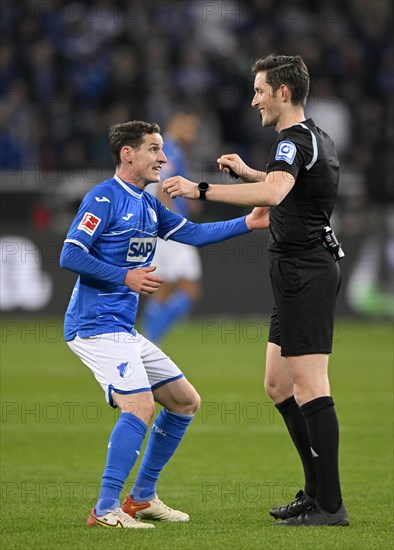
x=285, y=93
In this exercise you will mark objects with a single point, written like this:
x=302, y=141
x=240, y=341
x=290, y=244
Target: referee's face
x=265, y=101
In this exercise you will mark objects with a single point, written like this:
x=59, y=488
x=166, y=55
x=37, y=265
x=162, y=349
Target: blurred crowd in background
x=71, y=69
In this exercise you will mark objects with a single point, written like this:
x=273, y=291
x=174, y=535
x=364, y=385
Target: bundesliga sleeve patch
x=286, y=151
x=89, y=223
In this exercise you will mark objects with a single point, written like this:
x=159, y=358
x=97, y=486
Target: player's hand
x=233, y=164
x=181, y=187
x=142, y=281
x=258, y=218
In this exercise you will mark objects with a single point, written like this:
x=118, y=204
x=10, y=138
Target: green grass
x=235, y=462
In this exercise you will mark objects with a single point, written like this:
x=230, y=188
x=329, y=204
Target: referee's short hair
x=129, y=133
x=285, y=69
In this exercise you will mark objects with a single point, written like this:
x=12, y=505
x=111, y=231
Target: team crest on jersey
x=140, y=249
x=152, y=214
x=286, y=151
x=89, y=223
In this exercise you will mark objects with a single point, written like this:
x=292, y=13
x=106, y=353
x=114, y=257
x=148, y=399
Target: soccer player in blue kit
x=110, y=245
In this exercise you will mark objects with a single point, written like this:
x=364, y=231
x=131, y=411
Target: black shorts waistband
x=296, y=253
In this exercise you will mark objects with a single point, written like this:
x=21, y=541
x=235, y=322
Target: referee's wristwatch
x=203, y=187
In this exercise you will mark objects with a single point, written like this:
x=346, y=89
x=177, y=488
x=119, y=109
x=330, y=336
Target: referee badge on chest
x=286, y=151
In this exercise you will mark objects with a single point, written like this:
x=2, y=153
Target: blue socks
x=165, y=436
x=123, y=450
x=159, y=317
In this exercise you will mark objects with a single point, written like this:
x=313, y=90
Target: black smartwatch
x=203, y=187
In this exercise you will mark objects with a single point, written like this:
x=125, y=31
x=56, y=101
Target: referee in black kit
x=300, y=187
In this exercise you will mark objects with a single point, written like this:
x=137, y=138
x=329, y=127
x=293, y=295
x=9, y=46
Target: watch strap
x=203, y=187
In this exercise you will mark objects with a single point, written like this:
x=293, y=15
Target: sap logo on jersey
x=140, y=249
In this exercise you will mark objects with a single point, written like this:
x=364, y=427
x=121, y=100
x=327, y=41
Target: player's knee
x=149, y=411
x=190, y=405
x=140, y=405
x=193, y=403
x=196, y=403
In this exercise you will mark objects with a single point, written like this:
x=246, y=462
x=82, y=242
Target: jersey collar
x=134, y=191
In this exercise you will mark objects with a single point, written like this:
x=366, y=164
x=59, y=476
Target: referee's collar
x=307, y=122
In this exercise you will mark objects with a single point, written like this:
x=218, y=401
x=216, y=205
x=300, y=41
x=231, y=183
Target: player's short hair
x=285, y=69
x=129, y=133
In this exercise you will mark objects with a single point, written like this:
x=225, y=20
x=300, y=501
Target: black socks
x=313, y=427
x=323, y=431
x=299, y=434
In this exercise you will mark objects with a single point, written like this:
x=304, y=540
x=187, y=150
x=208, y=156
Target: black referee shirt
x=308, y=153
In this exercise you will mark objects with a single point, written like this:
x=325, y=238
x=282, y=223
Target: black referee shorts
x=305, y=290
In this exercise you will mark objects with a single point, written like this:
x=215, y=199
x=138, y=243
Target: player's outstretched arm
x=202, y=234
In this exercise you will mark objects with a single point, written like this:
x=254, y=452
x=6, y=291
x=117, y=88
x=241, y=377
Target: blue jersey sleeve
x=201, y=234
x=177, y=228
x=167, y=221
x=75, y=258
x=91, y=219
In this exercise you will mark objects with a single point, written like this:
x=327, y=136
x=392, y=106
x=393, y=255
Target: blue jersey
x=115, y=230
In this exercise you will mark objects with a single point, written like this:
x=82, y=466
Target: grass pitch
x=235, y=462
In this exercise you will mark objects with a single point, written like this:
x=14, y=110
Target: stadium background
x=71, y=69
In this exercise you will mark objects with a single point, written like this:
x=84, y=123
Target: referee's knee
x=278, y=392
x=271, y=390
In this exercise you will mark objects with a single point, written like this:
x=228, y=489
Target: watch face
x=202, y=187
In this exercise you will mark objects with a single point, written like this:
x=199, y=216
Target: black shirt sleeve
x=292, y=151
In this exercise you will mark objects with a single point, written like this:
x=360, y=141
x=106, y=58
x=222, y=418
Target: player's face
x=266, y=101
x=146, y=162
